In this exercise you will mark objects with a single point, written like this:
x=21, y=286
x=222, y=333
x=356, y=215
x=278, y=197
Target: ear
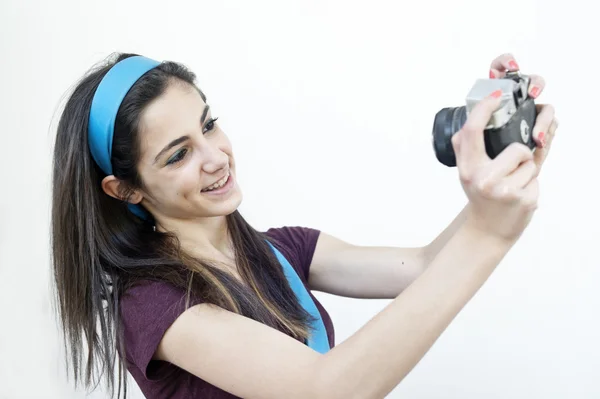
x=112, y=186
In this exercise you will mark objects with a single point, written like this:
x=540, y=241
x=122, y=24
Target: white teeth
x=218, y=184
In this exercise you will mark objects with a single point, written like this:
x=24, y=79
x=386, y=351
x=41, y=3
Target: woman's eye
x=178, y=156
x=210, y=125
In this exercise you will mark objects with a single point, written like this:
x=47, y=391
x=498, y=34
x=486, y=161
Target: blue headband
x=108, y=97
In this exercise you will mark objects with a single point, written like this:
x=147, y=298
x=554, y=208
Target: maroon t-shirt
x=148, y=309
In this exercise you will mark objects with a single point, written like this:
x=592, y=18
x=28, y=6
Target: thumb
x=469, y=142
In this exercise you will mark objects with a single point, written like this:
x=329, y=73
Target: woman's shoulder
x=151, y=305
x=146, y=292
x=296, y=243
x=293, y=234
x=147, y=310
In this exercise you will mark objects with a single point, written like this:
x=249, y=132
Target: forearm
x=374, y=360
x=435, y=246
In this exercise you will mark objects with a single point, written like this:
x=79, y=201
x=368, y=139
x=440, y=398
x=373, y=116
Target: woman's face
x=187, y=163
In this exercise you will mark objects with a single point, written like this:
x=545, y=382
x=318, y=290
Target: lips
x=218, y=184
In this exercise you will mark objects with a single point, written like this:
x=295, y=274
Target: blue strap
x=318, y=340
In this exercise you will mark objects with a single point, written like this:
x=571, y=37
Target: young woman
x=156, y=269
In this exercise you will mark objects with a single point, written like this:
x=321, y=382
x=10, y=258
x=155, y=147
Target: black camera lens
x=447, y=122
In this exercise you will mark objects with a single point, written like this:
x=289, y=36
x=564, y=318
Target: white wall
x=320, y=99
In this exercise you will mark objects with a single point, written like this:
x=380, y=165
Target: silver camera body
x=512, y=122
x=514, y=89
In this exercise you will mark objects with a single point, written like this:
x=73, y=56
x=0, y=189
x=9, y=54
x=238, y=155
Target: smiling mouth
x=217, y=185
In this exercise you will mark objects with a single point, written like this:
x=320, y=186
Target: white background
x=330, y=106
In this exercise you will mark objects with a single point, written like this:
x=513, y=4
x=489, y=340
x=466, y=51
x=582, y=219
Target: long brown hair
x=100, y=249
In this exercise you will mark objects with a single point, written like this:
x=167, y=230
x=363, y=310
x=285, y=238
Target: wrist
x=482, y=236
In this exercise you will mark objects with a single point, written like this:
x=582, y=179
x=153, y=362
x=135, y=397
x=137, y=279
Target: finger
x=542, y=153
x=507, y=163
x=521, y=176
x=501, y=64
x=512, y=186
x=468, y=142
x=551, y=133
x=536, y=85
x=543, y=120
x=529, y=195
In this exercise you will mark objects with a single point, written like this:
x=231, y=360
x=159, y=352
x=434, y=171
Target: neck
x=206, y=238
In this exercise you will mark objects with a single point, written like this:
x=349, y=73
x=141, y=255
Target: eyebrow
x=181, y=139
x=206, y=109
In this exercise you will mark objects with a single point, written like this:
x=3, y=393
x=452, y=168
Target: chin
x=225, y=207
x=228, y=209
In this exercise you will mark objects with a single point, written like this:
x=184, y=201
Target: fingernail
x=534, y=92
x=541, y=140
x=496, y=94
x=492, y=75
x=513, y=65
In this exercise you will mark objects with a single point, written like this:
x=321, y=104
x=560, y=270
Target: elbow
x=342, y=390
x=326, y=380
x=425, y=255
x=333, y=390
x=330, y=381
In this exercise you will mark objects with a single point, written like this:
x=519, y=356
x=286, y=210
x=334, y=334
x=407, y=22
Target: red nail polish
x=496, y=94
x=492, y=75
x=513, y=65
x=541, y=139
x=535, y=91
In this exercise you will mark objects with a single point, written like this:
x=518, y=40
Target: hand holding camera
x=499, y=147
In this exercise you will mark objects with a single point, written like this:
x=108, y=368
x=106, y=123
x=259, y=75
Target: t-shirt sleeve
x=297, y=244
x=147, y=311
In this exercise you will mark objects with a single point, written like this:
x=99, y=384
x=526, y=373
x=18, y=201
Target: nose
x=213, y=158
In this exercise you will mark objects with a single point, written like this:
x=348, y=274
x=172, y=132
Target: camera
x=513, y=121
